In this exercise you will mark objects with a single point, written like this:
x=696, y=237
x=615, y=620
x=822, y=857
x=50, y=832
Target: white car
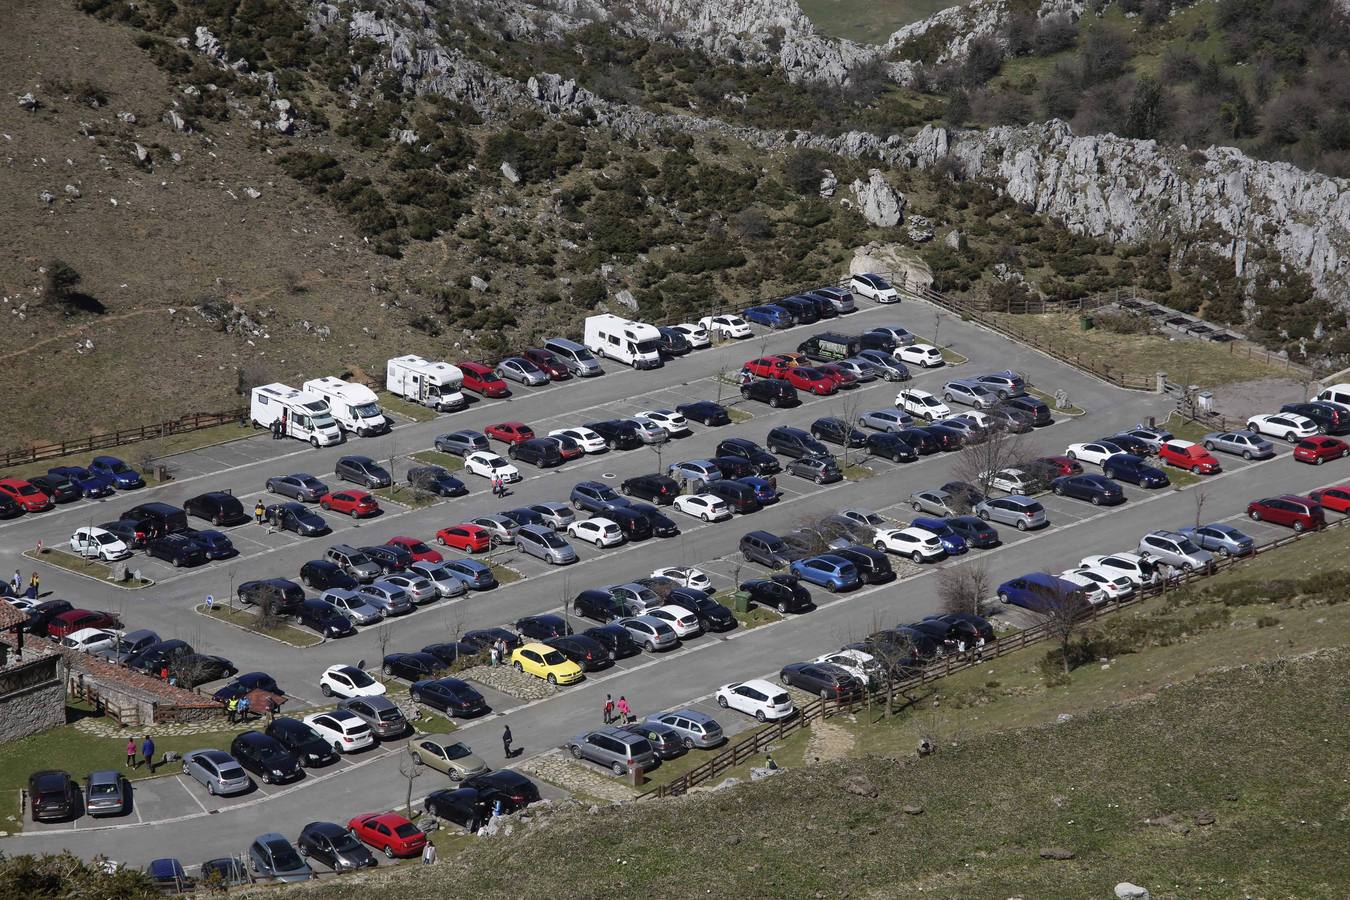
x=686, y=576
x=1094, y=452
x=696, y=335
x=757, y=698
x=682, y=620
x=863, y=666
x=873, y=287
x=1114, y=584
x=1011, y=480
x=599, y=531
x=1289, y=426
x=925, y=355
x=671, y=421
x=1091, y=589
x=708, y=507
x=726, y=326
x=87, y=640
x=921, y=403
x=490, y=465
x=342, y=729
x=348, y=681
x=93, y=542
x=981, y=420
x=1133, y=566
x=589, y=440
x=649, y=431
x=918, y=544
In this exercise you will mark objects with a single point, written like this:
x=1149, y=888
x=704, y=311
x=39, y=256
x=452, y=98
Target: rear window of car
x=780, y=699
x=406, y=830
x=234, y=772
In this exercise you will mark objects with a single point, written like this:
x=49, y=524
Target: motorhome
x=354, y=406
x=434, y=384
x=303, y=416
x=635, y=343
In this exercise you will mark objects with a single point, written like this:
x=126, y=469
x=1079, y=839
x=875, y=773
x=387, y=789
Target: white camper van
x=433, y=384
x=303, y=416
x=354, y=406
x=634, y=343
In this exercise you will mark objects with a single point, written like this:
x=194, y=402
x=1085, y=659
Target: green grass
x=63, y=559
x=951, y=357
x=136, y=455
x=739, y=416
x=287, y=634
x=868, y=21
x=856, y=472
x=448, y=461
x=787, y=753
x=404, y=495
x=401, y=407
x=430, y=722
x=504, y=573
x=755, y=616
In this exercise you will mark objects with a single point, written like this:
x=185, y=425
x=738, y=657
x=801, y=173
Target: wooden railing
x=95, y=442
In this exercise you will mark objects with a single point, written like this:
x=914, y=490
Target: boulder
x=142, y=154
x=175, y=121
x=47, y=197
x=955, y=239
x=126, y=118
x=913, y=809
x=29, y=102
x=208, y=43
x=252, y=193
x=760, y=773
x=828, y=185
x=880, y=204
x=478, y=284
x=510, y=174
x=626, y=297
x=1127, y=891
x=859, y=786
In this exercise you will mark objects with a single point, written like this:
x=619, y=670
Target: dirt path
x=828, y=742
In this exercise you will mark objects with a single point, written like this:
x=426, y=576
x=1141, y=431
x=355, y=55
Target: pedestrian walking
x=493, y=656
x=34, y=586
x=979, y=648
x=16, y=583
x=625, y=713
x=506, y=742
x=243, y=709
x=275, y=428
x=429, y=854
x=259, y=511
x=148, y=751
x=609, y=708
x=232, y=709
x=961, y=646
x=131, y=753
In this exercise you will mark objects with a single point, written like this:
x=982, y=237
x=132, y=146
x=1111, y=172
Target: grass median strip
x=405, y=495
x=1049, y=400
x=90, y=568
x=448, y=461
x=250, y=621
x=504, y=573
x=400, y=407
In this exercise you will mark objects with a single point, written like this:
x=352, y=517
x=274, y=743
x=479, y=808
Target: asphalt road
x=650, y=682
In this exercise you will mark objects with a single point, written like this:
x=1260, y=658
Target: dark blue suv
x=1131, y=468
x=952, y=542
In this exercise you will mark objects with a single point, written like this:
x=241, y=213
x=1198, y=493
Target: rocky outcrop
x=880, y=204
x=958, y=26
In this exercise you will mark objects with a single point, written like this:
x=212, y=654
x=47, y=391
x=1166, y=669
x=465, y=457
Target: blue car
x=952, y=542
x=976, y=532
x=764, y=488
x=475, y=575
x=216, y=544
x=123, y=476
x=1132, y=468
x=1220, y=538
x=831, y=572
x=1095, y=489
x=1040, y=592
x=769, y=315
x=91, y=484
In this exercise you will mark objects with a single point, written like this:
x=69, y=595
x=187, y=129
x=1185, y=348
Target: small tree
x=1199, y=495
x=980, y=461
x=61, y=282
x=963, y=589
x=1063, y=610
x=383, y=635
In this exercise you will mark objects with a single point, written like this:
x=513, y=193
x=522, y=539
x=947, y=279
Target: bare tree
x=410, y=767
x=979, y=462
x=963, y=589
x=847, y=406
x=1063, y=610
x=1199, y=495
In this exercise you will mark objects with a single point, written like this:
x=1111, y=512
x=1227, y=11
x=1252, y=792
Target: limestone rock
x=1204, y=818
x=828, y=185
x=955, y=239
x=880, y=204
x=208, y=43
x=126, y=118
x=73, y=192
x=1127, y=891
x=252, y=193
x=760, y=773
x=560, y=92
x=29, y=102
x=478, y=284
x=47, y=197
x=913, y=809
x=859, y=786
x=626, y=297
x=510, y=174
x=175, y=121
x=142, y=154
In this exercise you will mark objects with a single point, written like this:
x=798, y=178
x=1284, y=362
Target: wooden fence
x=95, y=442
x=752, y=744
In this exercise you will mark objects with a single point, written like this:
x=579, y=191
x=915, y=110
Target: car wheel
x=416, y=698
x=689, y=743
x=576, y=751
x=1021, y=525
x=759, y=715
x=705, y=517
x=1072, y=455
x=1058, y=490
x=552, y=679
x=1110, y=473
x=917, y=557
x=773, y=402
x=388, y=670
x=1254, y=515
x=1298, y=527
x=271, y=488
x=917, y=507
x=185, y=768
x=302, y=851
x=576, y=504
x=649, y=647
x=337, y=747
x=1290, y=437
x=722, y=702
x=1195, y=470
x=520, y=668
x=1003, y=597
x=325, y=690
x=178, y=560
x=211, y=789
x=388, y=851
x=1096, y=501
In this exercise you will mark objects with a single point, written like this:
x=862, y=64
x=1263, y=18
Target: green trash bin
x=1087, y=322
x=740, y=601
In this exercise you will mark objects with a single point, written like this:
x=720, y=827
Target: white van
x=303, y=416
x=433, y=384
x=1336, y=393
x=634, y=343
x=354, y=406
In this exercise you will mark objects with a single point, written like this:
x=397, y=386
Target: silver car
x=936, y=501
x=546, y=544
x=1219, y=538
x=502, y=529
x=521, y=370
x=634, y=597
x=1153, y=438
x=651, y=634
x=1020, y=512
x=555, y=515
x=383, y=716
x=447, y=585
x=695, y=728
x=649, y=431
x=420, y=589
x=272, y=856
x=1247, y=444
x=217, y=771
x=1174, y=549
x=391, y=599
x=462, y=443
x=614, y=748
x=860, y=369
x=105, y=793
x=891, y=420
x=352, y=605
x=887, y=366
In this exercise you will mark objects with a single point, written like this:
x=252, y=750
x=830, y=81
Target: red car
x=838, y=376
x=811, y=379
x=482, y=380
x=73, y=620
x=1298, y=513
x=420, y=551
x=567, y=446
x=1059, y=465
x=510, y=432
x=389, y=832
x=1188, y=455
x=768, y=367
x=25, y=494
x=357, y=504
x=469, y=538
x=1336, y=498
x=554, y=368
x=1317, y=450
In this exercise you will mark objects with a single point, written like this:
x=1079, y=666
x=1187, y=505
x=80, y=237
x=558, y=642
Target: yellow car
x=542, y=661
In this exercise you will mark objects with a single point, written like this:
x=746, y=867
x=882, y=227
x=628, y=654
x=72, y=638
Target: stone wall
x=32, y=696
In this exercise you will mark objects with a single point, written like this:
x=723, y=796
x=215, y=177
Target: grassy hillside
x=868, y=21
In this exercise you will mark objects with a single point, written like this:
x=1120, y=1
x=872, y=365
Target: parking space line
x=187, y=790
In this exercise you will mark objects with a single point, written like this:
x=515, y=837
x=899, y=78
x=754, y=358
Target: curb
x=145, y=583
x=198, y=610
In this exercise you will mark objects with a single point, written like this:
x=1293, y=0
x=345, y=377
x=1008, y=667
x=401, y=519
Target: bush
x=804, y=169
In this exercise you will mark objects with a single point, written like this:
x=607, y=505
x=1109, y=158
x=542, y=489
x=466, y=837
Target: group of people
x=499, y=488
x=498, y=653
x=279, y=427
x=961, y=646
x=617, y=713
x=147, y=752
x=16, y=588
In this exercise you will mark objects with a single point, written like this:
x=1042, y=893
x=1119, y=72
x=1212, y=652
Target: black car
x=306, y=743
x=618, y=433
x=1330, y=419
x=450, y=652
x=794, y=443
x=51, y=796
x=837, y=431
x=765, y=463
x=158, y=518
x=295, y=517
x=878, y=340
x=280, y=594
x=1129, y=443
x=217, y=507
x=1039, y=411
x=740, y=496
x=514, y=790
x=542, y=453
x=672, y=343
x=781, y=592
x=897, y=446
x=656, y=488
x=947, y=438
x=948, y=635
x=177, y=550
x=922, y=442
x=41, y=616
x=981, y=625
x=734, y=466
x=225, y=872
x=389, y=557
x=586, y=652
x=661, y=525
x=324, y=618
x=466, y=807
x=215, y=544
x=615, y=639
x=362, y=470
x=193, y=669
x=450, y=695
x=321, y=575
x=413, y=666
x=772, y=391
x=767, y=549
x=160, y=654
x=826, y=681
x=523, y=515
x=873, y=566
x=249, y=681
x=634, y=525
x=1096, y=489
x=60, y=488
x=484, y=638
x=10, y=509
x=705, y=412
x=804, y=312
x=436, y=480
x=130, y=532
x=598, y=605
x=333, y=845
x=712, y=615
x=542, y=627
x=265, y=757
x=1009, y=419
x=974, y=531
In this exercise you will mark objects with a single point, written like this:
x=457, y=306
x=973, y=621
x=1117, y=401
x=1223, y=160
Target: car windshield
x=358, y=677
x=270, y=752
x=366, y=410
x=344, y=842
x=456, y=751
x=106, y=538
x=495, y=461
x=1185, y=546
x=115, y=465
x=554, y=658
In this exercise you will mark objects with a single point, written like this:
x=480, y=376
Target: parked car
x=1290, y=510
x=614, y=748
x=325, y=619
x=1020, y=512
x=302, y=487
x=452, y=696
x=217, y=507
x=782, y=593
x=1317, y=450
x=1096, y=489
x=546, y=544
x=348, y=681
x=344, y=731
x=655, y=488
x=1188, y=455
x=90, y=484
x=514, y=790
x=767, y=549
x=969, y=392
x=1336, y=499
x=650, y=633
x=543, y=661
x=974, y=531
x=595, y=497
x=52, y=796
x=124, y=478
x=831, y=572
x=1332, y=418
x=1246, y=444
x=390, y=833
x=467, y=538
x=757, y=698
x=820, y=469
x=383, y=715
x=522, y=370
x=1289, y=426
x=827, y=681
x=265, y=757
x=362, y=470
x=1041, y=592
x=217, y=771
x=333, y=845
x=295, y=517
x=705, y=412
x=58, y=488
x=1175, y=550
x=445, y=754
x=436, y=480
x=176, y=549
x=1132, y=468
x=462, y=443
x=302, y=740
x=106, y=793
x=482, y=380
x=772, y=391
x=873, y=287
x=412, y=666
x=1220, y=538
x=93, y=542
x=1093, y=452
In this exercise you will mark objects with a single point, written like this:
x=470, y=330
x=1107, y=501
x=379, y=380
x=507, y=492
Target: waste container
x=1204, y=401
x=740, y=601
x=1087, y=322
